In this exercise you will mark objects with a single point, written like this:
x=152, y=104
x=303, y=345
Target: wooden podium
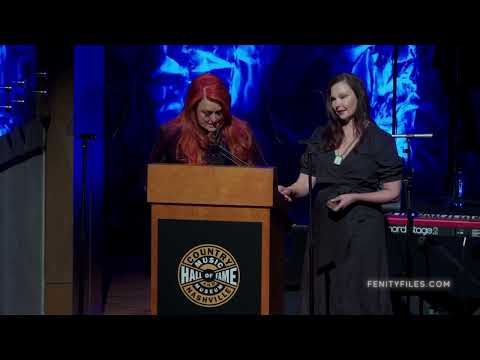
x=217, y=240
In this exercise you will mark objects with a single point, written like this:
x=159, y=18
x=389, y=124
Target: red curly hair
x=194, y=141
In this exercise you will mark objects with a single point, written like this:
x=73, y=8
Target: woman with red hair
x=205, y=132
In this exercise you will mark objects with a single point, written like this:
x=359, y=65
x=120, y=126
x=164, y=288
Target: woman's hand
x=287, y=192
x=341, y=201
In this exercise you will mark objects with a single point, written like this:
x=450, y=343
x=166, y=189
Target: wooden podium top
x=211, y=185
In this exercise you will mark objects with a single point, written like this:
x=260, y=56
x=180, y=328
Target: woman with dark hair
x=355, y=168
x=204, y=128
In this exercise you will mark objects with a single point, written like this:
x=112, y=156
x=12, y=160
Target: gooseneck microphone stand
x=230, y=156
x=216, y=146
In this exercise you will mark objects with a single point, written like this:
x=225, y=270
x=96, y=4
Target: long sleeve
x=164, y=149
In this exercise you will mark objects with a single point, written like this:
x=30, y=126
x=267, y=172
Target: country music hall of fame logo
x=208, y=275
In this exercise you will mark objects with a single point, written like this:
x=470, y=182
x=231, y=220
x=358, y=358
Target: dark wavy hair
x=333, y=134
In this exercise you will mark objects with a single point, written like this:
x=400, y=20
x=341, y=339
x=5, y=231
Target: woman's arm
x=298, y=189
x=390, y=192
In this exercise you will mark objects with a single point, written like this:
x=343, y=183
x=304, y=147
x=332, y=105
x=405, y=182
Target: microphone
x=412, y=136
x=229, y=156
x=216, y=144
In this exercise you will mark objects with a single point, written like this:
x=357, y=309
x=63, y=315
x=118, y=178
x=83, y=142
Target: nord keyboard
x=436, y=224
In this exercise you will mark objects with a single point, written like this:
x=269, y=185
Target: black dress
x=350, y=245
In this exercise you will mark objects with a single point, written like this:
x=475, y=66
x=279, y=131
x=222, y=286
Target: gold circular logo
x=208, y=275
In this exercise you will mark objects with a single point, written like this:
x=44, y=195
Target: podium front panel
x=258, y=217
x=209, y=267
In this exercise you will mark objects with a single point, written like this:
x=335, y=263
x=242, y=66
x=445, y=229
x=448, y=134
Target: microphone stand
x=83, y=226
x=408, y=181
x=311, y=246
